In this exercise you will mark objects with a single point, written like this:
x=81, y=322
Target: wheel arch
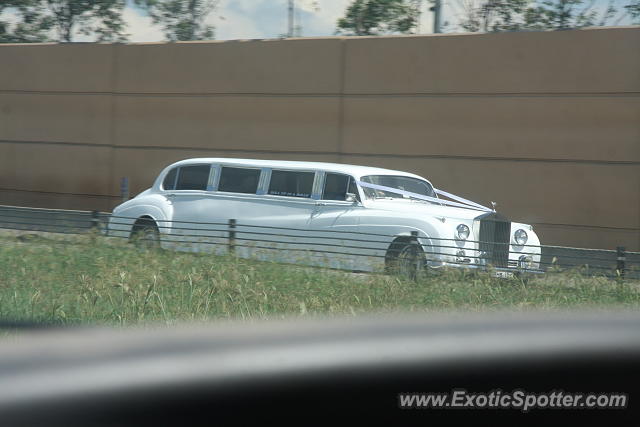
x=401, y=240
x=125, y=217
x=143, y=220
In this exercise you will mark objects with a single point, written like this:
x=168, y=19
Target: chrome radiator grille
x=495, y=233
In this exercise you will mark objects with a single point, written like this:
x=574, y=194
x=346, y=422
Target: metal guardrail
x=234, y=235
x=51, y=220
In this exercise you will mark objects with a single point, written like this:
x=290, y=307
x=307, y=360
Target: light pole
x=437, y=10
x=291, y=10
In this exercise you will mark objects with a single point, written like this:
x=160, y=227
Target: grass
x=89, y=280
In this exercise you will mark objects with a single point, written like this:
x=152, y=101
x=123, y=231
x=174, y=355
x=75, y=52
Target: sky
x=252, y=19
x=260, y=19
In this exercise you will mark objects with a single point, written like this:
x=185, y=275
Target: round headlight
x=520, y=236
x=462, y=232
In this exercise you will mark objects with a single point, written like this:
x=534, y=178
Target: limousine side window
x=239, y=180
x=336, y=187
x=169, y=182
x=291, y=183
x=193, y=177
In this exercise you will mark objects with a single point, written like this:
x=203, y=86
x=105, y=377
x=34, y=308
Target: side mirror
x=351, y=198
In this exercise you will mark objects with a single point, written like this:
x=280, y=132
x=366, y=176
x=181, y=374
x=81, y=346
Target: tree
x=514, y=15
x=29, y=25
x=373, y=17
x=102, y=18
x=37, y=18
x=493, y=15
x=182, y=19
x=562, y=14
x=633, y=9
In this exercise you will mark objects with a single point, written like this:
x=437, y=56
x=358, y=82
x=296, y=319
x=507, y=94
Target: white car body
x=305, y=228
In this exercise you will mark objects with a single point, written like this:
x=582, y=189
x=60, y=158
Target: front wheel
x=145, y=235
x=406, y=259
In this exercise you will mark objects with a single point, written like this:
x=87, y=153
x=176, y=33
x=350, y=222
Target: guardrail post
x=124, y=188
x=232, y=236
x=95, y=221
x=621, y=258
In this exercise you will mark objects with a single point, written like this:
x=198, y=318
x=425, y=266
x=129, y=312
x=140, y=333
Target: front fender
x=430, y=232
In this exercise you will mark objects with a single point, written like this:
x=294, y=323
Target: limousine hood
x=419, y=208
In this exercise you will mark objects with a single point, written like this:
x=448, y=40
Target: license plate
x=503, y=274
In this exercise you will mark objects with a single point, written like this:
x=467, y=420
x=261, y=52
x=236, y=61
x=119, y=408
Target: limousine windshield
x=403, y=183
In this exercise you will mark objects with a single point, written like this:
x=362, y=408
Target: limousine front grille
x=495, y=233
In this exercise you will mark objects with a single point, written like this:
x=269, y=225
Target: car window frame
x=312, y=196
x=179, y=168
x=175, y=178
x=351, y=177
x=216, y=183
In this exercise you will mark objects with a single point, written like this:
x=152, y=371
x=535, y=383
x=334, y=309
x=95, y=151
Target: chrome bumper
x=498, y=271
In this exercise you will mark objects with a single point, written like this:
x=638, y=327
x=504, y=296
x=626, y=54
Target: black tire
x=405, y=258
x=145, y=235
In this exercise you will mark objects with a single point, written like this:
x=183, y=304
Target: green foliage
x=633, y=8
x=373, y=17
x=561, y=15
x=102, y=18
x=515, y=15
x=182, y=19
x=31, y=26
x=93, y=280
x=495, y=15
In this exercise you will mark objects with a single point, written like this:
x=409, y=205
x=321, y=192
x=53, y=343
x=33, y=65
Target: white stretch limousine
x=326, y=214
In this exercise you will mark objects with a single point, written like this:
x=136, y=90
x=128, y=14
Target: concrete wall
x=546, y=124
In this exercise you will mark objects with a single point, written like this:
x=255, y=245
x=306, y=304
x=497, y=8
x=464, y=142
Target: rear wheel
x=406, y=259
x=145, y=235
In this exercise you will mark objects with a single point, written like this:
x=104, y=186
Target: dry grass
x=93, y=280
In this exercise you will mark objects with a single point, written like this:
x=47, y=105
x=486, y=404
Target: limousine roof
x=355, y=170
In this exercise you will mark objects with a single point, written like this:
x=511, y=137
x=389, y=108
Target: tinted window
x=336, y=187
x=193, y=177
x=239, y=180
x=353, y=188
x=290, y=183
x=170, y=179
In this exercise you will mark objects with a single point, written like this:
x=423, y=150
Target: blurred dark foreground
x=321, y=371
